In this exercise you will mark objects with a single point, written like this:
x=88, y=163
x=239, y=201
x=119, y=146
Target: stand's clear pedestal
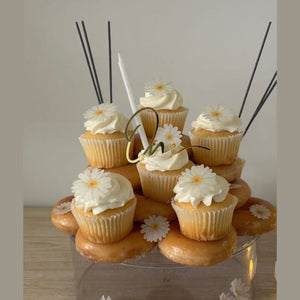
x=154, y=277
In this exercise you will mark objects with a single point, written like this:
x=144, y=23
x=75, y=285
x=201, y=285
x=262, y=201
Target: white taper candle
x=137, y=118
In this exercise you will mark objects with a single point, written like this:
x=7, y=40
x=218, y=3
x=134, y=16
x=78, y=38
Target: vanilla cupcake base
x=105, y=152
x=223, y=149
x=159, y=185
x=108, y=227
x=166, y=116
x=206, y=224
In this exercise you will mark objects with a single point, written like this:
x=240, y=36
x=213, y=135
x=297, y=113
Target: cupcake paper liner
x=158, y=186
x=205, y=225
x=223, y=150
x=107, y=153
x=176, y=118
x=106, y=229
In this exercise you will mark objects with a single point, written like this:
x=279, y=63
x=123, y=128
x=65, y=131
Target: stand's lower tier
x=154, y=277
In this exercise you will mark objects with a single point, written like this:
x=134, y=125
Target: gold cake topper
x=152, y=148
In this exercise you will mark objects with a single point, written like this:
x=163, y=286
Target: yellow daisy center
x=92, y=183
x=99, y=112
x=196, y=179
x=155, y=226
x=216, y=113
x=160, y=87
x=169, y=137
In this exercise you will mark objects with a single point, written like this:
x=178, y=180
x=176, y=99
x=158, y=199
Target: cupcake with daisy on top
x=217, y=128
x=103, y=205
x=203, y=206
x=104, y=141
x=168, y=103
x=159, y=171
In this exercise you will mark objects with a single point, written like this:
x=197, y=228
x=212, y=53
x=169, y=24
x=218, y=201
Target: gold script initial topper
x=151, y=149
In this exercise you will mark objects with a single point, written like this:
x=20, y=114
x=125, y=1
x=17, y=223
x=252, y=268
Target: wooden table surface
x=48, y=272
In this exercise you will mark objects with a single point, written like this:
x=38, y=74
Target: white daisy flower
x=158, y=87
x=155, y=228
x=226, y=297
x=260, y=211
x=63, y=208
x=101, y=111
x=240, y=289
x=103, y=298
x=200, y=184
x=217, y=113
x=169, y=135
x=91, y=185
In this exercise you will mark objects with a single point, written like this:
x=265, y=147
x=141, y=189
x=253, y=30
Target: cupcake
x=160, y=170
x=167, y=102
x=104, y=141
x=202, y=204
x=103, y=205
x=216, y=128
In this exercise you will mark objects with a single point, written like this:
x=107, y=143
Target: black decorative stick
x=88, y=62
x=110, y=67
x=92, y=61
x=254, y=70
x=265, y=96
x=260, y=105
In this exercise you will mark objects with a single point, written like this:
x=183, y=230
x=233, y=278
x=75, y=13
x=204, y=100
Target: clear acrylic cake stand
x=155, y=277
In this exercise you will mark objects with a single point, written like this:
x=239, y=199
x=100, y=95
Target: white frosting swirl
x=171, y=100
x=114, y=123
x=199, y=184
x=104, y=119
x=167, y=161
x=217, y=118
x=117, y=195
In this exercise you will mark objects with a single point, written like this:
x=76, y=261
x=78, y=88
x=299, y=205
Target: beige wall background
x=206, y=48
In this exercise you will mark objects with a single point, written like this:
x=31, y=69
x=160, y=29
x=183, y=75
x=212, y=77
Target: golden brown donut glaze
x=130, y=247
x=146, y=207
x=64, y=222
x=246, y=223
x=185, y=251
x=230, y=172
x=242, y=193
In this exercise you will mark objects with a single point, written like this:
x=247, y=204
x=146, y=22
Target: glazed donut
x=130, y=247
x=255, y=217
x=146, y=208
x=62, y=216
x=230, y=172
x=129, y=171
x=182, y=250
x=242, y=191
x=138, y=146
